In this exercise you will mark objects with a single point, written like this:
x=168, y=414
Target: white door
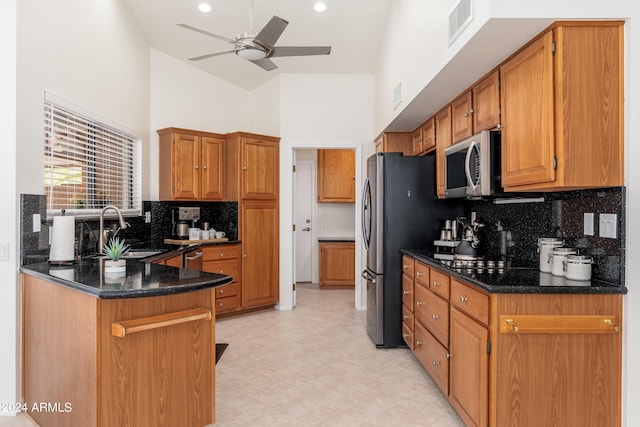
x=303, y=211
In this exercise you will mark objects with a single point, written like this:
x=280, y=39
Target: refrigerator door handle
x=367, y=277
x=366, y=213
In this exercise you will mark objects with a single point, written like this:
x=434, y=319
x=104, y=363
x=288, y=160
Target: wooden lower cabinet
x=408, y=292
x=337, y=264
x=156, y=377
x=518, y=360
x=224, y=259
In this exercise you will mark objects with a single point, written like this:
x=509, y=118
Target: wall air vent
x=459, y=19
x=397, y=96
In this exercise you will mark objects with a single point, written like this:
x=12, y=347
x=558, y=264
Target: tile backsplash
x=34, y=246
x=559, y=214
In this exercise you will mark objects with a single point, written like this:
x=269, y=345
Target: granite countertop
x=518, y=280
x=142, y=279
x=336, y=239
x=170, y=250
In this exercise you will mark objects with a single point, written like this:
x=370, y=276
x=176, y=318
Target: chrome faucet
x=123, y=225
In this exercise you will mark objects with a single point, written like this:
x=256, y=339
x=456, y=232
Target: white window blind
x=88, y=163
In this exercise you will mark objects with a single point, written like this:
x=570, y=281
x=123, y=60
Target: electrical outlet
x=608, y=226
x=147, y=217
x=189, y=213
x=588, y=224
x=36, y=223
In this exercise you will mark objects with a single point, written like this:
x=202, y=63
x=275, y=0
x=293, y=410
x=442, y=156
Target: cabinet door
x=462, y=117
x=417, y=139
x=259, y=169
x=527, y=115
x=259, y=236
x=337, y=176
x=428, y=135
x=212, y=169
x=337, y=264
x=185, y=166
x=443, y=140
x=486, y=103
x=468, y=369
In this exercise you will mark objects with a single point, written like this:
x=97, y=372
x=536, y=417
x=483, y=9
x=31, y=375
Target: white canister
x=578, y=267
x=545, y=247
x=558, y=264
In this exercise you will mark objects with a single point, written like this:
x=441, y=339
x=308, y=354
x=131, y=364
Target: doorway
x=325, y=220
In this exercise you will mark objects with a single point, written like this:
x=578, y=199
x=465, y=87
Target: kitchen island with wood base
x=136, y=350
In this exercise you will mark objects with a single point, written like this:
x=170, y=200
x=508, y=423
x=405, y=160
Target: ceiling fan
x=259, y=48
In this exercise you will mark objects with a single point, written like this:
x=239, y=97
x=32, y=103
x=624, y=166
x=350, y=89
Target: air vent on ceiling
x=459, y=18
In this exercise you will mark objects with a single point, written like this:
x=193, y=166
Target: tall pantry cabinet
x=251, y=178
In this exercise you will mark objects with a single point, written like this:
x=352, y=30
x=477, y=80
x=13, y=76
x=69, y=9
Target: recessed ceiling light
x=204, y=7
x=320, y=6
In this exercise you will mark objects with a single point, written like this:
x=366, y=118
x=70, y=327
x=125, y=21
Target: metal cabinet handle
x=418, y=342
x=418, y=274
x=405, y=317
x=197, y=167
x=463, y=299
x=191, y=258
x=204, y=167
x=435, y=284
x=405, y=292
x=419, y=303
x=436, y=363
x=435, y=316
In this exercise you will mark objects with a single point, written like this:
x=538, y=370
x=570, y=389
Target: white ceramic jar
x=558, y=264
x=545, y=247
x=578, y=267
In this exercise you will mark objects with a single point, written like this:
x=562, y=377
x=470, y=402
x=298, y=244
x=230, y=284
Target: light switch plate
x=608, y=226
x=4, y=251
x=36, y=223
x=588, y=224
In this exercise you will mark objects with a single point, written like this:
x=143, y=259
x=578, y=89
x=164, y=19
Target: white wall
x=320, y=111
x=87, y=52
x=185, y=97
x=9, y=336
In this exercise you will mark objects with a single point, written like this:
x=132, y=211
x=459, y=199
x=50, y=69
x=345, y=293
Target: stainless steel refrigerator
x=400, y=210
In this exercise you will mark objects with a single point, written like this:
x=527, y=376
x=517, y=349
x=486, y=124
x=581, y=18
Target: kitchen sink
x=132, y=254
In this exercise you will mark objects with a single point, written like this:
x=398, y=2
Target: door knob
x=306, y=229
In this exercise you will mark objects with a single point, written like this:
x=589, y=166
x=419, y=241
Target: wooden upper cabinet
x=252, y=167
x=443, y=140
x=562, y=110
x=337, y=176
x=424, y=138
x=486, y=103
x=462, y=117
x=190, y=165
x=395, y=142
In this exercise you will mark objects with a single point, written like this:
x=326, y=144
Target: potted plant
x=114, y=250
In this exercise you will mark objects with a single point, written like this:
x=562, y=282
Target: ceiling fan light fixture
x=319, y=6
x=204, y=7
x=251, y=54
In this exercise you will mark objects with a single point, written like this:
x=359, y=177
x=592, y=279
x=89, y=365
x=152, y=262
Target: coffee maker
x=183, y=218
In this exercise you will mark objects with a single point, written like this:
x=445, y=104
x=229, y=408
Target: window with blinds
x=88, y=163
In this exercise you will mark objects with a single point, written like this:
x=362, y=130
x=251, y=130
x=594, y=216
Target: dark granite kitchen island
x=132, y=350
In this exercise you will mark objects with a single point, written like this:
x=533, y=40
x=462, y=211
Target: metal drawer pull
x=435, y=316
x=405, y=292
x=435, y=284
x=419, y=303
x=436, y=363
x=558, y=324
x=121, y=329
x=464, y=299
x=191, y=258
x=418, y=342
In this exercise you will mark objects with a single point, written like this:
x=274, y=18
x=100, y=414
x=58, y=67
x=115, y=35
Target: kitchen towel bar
x=557, y=324
x=121, y=329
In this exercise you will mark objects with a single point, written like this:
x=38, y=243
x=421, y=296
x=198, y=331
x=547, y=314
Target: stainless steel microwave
x=473, y=166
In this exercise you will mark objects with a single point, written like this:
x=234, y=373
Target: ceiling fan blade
x=299, y=51
x=265, y=63
x=271, y=32
x=211, y=55
x=207, y=33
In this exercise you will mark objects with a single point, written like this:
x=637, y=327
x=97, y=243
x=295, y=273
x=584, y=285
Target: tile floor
x=316, y=366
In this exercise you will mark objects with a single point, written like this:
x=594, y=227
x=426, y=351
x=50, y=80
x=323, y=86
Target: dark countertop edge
x=173, y=250
x=515, y=289
x=336, y=239
x=197, y=285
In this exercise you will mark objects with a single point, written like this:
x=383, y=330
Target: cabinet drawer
x=230, y=267
x=407, y=265
x=210, y=253
x=407, y=316
x=407, y=291
x=440, y=284
x=433, y=357
x=433, y=313
x=227, y=290
x=471, y=301
x=227, y=304
x=422, y=273
x=407, y=335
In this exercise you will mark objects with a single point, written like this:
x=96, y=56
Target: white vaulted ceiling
x=353, y=28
